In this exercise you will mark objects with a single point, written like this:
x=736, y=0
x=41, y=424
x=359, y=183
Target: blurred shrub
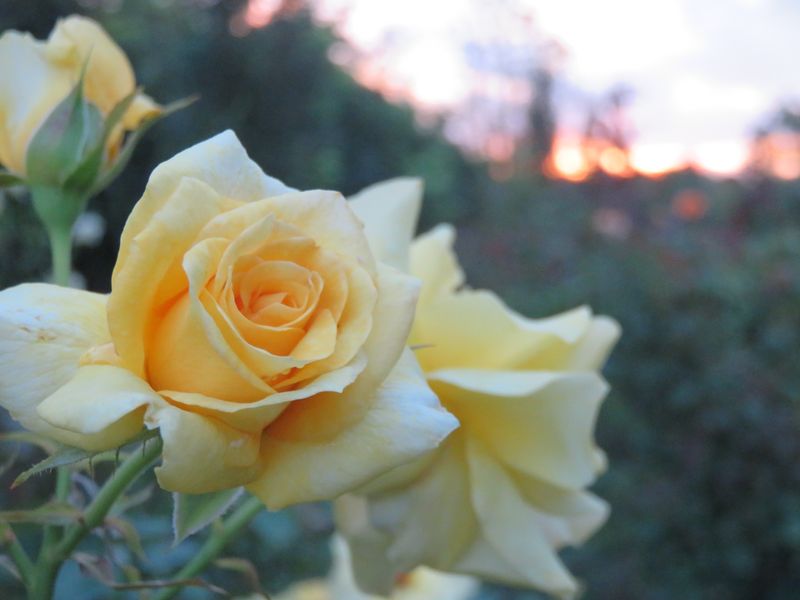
x=701, y=426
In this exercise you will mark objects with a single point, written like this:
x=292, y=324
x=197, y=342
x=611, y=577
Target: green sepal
x=62, y=141
x=85, y=173
x=193, y=512
x=114, y=169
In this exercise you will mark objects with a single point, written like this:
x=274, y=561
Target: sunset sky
x=704, y=73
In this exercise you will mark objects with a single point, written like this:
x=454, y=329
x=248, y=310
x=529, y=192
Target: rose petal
x=33, y=87
x=100, y=404
x=320, y=339
x=539, y=423
x=367, y=545
x=497, y=337
x=514, y=547
x=255, y=416
x=188, y=352
x=389, y=211
x=323, y=216
x=404, y=421
x=201, y=454
x=488, y=521
x=151, y=260
x=432, y=260
x=44, y=331
x=220, y=162
x=421, y=535
x=592, y=350
x=394, y=315
x=569, y=517
x=354, y=327
x=109, y=75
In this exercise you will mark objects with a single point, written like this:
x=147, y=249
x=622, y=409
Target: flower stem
x=16, y=552
x=61, y=252
x=62, y=492
x=58, y=209
x=215, y=543
x=50, y=560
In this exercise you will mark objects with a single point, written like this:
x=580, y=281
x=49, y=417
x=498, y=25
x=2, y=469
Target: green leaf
x=85, y=173
x=52, y=513
x=64, y=456
x=64, y=138
x=67, y=455
x=193, y=512
x=133, y=139
x=10, y=180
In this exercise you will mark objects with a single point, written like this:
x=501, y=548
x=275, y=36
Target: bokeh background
x=663, y=191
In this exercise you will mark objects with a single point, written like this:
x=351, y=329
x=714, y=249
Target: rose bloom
x=420, y=584
x=36, y=76
x=506, y=490
x=249, y=322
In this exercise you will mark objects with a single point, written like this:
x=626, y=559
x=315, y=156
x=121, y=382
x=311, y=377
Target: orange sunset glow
x=469, y=65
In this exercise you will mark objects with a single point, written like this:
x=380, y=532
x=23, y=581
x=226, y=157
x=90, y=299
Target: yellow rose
x=35, y=76
x=507, y=489
x=247, y=321
x=419, y=584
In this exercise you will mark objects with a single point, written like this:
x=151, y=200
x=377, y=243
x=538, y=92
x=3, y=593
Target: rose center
x=276, y=292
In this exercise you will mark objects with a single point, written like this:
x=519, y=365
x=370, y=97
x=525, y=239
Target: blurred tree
x=542, y=120
x=607, y=133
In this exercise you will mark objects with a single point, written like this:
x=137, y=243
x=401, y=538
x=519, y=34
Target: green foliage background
x=701, y=427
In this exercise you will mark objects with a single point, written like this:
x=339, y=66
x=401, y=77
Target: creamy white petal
x=391, y=323
x=367, y=545
x=389, y=211
x=475, y=329
x=539, y=423
x=517, y=545
x=592, y=349
x=432, y=260
x=25, y=101
x=102, y=405
x=404, y=421
x=201, y=454
x=220, y=162
x=432, y=520
x=44, y=331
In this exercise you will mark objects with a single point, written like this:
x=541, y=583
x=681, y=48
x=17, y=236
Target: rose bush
x=506, y=490
x=249, y=322
x=36, y=76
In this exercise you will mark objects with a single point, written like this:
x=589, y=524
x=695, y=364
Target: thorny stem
x=42, y=580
